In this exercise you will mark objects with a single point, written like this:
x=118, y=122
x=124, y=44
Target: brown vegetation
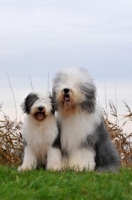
x=122, y=140
x=11, y=145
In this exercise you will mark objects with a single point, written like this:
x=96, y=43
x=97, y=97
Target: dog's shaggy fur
x=40, y=133
x=85, y=141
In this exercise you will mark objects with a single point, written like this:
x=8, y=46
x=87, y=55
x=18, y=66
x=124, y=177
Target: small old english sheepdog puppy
x=40, y=133
x=85, y=142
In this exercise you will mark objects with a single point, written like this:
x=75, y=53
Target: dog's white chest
x=74, y=130
x=39, y=138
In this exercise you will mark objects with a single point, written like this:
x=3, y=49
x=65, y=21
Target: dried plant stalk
x=122, y=141
x=11, y=145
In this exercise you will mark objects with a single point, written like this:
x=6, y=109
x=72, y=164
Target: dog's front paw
x=55, y=167
x=82, y=165
x=76, y=167
x=23, y=168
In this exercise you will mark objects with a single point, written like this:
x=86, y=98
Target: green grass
x=69, y=185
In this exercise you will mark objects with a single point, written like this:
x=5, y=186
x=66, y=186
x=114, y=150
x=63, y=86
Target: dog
x=40, y=133
x=85, y=142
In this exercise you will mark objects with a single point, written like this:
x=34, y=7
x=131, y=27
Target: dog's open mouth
x=66, y=97
x=40, y=115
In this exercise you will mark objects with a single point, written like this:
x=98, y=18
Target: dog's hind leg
x=107, y=157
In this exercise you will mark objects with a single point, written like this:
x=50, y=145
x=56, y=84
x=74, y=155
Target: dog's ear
x=52, y=104
x=28, y=102
x=90, y=98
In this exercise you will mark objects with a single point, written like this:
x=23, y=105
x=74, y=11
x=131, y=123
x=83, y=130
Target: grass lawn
x=69, y=185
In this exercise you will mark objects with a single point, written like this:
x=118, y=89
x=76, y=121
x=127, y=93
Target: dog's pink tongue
x=40, y=114
x=67, y=98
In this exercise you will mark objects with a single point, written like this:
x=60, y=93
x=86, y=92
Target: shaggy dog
x=85, y=142
x=40, y=133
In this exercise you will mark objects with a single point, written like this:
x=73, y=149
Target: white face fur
x=40, y=109
x=69, y=96
x=38, y=104
x=73, y=88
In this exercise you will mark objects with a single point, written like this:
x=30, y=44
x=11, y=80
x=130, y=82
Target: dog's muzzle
x=66, y=94
x=40, y=114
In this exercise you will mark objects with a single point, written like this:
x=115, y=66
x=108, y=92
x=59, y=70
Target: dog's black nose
x=66, y=90
x=40, y=108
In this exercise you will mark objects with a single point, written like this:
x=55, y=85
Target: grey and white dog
x=85, y=142
x=40, y=133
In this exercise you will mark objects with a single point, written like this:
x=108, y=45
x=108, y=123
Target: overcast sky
x=39, y=37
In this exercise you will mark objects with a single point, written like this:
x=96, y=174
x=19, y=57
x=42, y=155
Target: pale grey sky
x=40, y=37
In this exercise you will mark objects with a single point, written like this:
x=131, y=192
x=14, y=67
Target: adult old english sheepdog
x=85, y=142
x=40, y=133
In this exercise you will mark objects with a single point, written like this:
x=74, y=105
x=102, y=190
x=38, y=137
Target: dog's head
x=73, y=88
x=38, y=105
